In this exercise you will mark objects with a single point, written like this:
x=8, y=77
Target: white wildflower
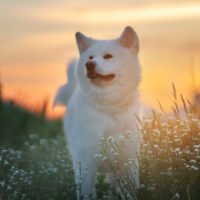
x=151, y=188
x=187, y=152
x=177, y=195
x=176, y=149
x=9, y=187
x=169, y=173
x=26, y=143
x=156, y=131
x=194, y=167
x=54, y=170
x=176, y=136
x=193, y=161
x=2, y=183
x=168, y=132
x=147, y=120
x=16, y=172
x=110, y=138
x=163, y=124
x=155, y=146
x=42, y=141
x=198, y=156
x=115, y=161
x=186, y=130
x=116, y=154
x=32, y=147
x=32, y=136
x=184, y=134
x=177, y=140
x=99, y=156
x=104, y=158
x=121, y=137
x=130, y=162
x=194, y=120
x=125, y=164
x=142, y=186
x=6, y=162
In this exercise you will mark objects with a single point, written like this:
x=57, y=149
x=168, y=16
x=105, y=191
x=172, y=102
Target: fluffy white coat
x=98, y=106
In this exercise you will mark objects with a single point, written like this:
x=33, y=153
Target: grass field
x=35, y=163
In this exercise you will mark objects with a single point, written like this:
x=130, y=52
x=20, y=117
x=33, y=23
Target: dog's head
x=109, y=69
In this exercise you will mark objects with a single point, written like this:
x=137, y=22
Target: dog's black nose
x=90, y=65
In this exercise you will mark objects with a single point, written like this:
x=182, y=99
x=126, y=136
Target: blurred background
x=37, y=41
x=36, y=44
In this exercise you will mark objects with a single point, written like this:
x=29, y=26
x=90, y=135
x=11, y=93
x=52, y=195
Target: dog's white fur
x=97, y=108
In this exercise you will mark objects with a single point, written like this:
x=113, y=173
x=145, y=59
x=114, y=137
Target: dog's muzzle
x=92, y=74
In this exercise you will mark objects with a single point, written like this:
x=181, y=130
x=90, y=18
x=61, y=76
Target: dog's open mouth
x=96, y=76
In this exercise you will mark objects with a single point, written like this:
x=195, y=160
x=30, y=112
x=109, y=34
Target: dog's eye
x=91, y=57
x=107, y=56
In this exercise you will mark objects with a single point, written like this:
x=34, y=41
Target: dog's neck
x=121, y=105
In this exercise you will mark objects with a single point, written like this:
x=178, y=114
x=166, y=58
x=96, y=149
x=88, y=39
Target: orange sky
x=37, y=40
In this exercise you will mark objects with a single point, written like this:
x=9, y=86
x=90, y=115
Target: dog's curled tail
x=65, y=91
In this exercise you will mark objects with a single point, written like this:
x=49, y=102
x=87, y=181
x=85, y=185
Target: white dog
x=102, y=99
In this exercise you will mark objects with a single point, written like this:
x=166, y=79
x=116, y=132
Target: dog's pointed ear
x=83, y=42
x=129, y=39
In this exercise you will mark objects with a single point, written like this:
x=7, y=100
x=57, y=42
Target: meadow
x=35, y=163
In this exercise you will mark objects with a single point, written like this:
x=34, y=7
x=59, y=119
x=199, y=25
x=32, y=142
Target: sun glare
x=150, y=14
x=35, y=52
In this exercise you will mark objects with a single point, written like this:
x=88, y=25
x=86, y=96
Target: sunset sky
x=37, y=41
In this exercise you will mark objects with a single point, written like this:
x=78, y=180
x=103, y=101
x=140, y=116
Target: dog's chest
x=85, y=124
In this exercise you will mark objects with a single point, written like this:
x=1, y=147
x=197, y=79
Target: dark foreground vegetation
x=35, y=164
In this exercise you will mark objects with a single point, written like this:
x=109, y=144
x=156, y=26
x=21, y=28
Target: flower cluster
x=41, y=170
x=113, y=153
x=170, y=157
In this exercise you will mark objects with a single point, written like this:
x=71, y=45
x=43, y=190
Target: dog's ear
x=83, y=42
x=129, y=39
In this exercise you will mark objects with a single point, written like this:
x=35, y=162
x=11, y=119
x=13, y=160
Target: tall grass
x=169, y=157
x=35, y=164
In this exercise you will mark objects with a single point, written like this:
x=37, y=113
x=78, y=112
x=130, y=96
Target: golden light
x=33, y=61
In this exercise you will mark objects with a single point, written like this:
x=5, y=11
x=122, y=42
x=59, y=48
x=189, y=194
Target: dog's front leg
x=85, y=174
